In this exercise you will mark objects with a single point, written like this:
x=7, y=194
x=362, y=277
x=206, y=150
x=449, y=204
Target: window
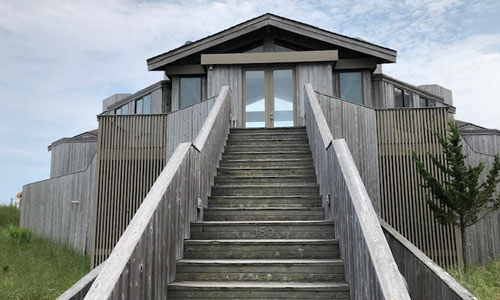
x=190, y=91
x=424, y=102
x=402, y=98
x=122, y=110
x=143, y=105
x=351, y=87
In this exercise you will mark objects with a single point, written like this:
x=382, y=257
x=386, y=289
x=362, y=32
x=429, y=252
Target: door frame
x=268, y=92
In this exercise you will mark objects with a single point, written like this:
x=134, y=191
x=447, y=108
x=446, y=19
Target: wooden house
x=274, y=78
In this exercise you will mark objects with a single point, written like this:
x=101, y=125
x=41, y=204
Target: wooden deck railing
x=143, y=261
x=369, y=266
x=404, y=207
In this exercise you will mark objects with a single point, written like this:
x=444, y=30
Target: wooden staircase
x=264, y=235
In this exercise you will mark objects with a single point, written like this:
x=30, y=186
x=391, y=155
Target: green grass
x=36, y=270
x=482, y=282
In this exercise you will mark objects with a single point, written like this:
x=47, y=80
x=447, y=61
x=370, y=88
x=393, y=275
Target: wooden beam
x=356, y=63
x=174, y=70
x=269, y=57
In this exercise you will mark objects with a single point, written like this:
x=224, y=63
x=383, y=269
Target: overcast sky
x=59, y=59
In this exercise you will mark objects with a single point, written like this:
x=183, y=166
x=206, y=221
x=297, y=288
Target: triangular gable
x=382, y=54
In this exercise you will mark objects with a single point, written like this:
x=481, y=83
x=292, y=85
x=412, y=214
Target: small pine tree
x=461, y=200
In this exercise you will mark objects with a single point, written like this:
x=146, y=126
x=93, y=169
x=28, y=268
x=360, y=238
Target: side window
x=402, y=98
x=424, y=102
x=143, y=105
x=351, y=88
x=122, y=110
x=190, y=91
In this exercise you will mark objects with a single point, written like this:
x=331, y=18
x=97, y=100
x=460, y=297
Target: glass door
x=269, y=97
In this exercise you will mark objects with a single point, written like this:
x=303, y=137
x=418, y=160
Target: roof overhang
x=269, y=57
x=382, y=54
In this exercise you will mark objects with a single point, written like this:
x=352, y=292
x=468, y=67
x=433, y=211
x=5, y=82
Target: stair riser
x=262, y=204
x=256, y=272
x=240, y=294
x=293, y=135
x=306, y=163
x=267, y=142
x=208, y=232
x=223, y=180
x=259, y=148
x=238, y=131
x=264, y=191
x=264, y=172
x=253, y=156
x=260, y=251
x=264, y=217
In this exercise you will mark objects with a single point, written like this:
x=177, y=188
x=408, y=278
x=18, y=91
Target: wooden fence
x=357, y=125
x=401, y=131
x=369, y=266
x=483, y=238
x=143, y=261
x=132, y=151
x=60, y=208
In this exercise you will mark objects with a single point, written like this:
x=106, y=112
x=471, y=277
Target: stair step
x=236, y=290
x=218, y=230
x=264, y=201
x=254, y=163
x=264, y=148
x=284, y=130
x=261, y=270
x=268, y=155
x=264, y=180
x=276, y=171
x=262, y=249
x=285, y=141
x=270, y=136
x=270, y=190
x=264, y=214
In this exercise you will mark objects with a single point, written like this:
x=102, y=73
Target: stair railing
x=143, y=261
x=370, y=268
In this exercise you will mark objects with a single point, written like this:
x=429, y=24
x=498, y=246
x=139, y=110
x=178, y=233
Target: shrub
x=9, y=215
x=21, y=236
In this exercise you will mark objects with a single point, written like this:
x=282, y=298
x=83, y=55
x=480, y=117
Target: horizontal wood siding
x=144, y=259
x=369, y=266
x=404, y=207
x=183, y=125
x=71, y=157
x=483, y=238
x=426, y=280
x=60, y=208
x=357, y=125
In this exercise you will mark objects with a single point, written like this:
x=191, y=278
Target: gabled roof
x=381, y=53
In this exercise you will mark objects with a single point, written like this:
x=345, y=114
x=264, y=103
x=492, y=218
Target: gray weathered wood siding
x=133, y=150
x=483, y=238
x=357, y=125
x=404, y=207
x=60, y=208
x=144, y=259
x=232, y=76
x=369, y=266
x=426, y=280
x=71, y=156
x=183, y=125
x=320, y=75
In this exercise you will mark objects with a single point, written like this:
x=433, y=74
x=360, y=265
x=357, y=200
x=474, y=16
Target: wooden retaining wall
x=357, y=125
x=401, y=131
x=60, y=208
x=483, y=238
x=369, y=266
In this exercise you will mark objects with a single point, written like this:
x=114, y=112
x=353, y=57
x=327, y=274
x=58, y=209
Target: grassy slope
x=483, y=282
x=39, y=270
